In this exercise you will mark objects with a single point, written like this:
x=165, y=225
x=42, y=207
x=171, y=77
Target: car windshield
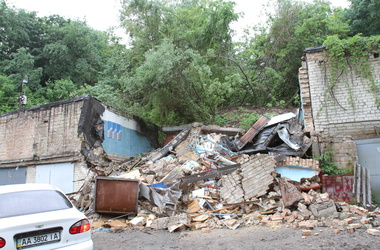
x=30, y=202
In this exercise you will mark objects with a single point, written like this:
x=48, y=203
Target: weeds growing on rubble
x=329, y=167
x=241, y=116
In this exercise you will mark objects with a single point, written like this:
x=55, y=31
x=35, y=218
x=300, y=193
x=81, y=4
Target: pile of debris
x=210, y=177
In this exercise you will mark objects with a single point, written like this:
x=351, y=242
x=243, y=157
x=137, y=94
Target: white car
x=40, y=216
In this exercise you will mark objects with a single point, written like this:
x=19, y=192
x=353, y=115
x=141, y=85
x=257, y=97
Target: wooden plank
x=252, y=132
x=355, y=180
x=358, y=183
x=368, y=186
x=364, y=186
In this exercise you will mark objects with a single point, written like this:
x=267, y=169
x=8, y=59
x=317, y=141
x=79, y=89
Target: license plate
x=38, y=240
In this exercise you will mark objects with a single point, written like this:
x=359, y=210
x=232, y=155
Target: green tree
x=75, y=52
x=170, y=87
x=197, y=24
x=178, y=73
x=19, y=29
x=21, y=66
x=294, y=26
x=8, y=94
x=364, y=17
x=60, y=57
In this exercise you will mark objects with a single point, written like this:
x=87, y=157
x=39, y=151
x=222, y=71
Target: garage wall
x=369, y=157
x=16, y=175
x=38, y=133
x=60, y=175
x=77, y=172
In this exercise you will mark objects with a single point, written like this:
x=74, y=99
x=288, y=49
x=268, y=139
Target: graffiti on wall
x=340, y=188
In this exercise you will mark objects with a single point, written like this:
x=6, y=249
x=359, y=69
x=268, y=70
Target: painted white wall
x=113, y=117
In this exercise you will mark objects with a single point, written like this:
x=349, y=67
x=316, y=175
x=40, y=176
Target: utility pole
x=22, y=99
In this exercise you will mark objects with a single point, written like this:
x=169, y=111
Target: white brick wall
x=352, y=110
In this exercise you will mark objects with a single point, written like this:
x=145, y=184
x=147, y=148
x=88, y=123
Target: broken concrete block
x=358, y=210
x=336, y=215
x=345, y=215
x=269, y=205
x=252, y=219
x=345, y=207
x=273, y=195
x=166, y=222
x=138, y=221
x=325, y=197
x=306, y=213
x=324, y=209
x=372, y=231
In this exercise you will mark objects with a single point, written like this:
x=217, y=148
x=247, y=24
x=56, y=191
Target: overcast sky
x=102, y=14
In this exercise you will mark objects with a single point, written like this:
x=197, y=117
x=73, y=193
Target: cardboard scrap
x=193, y=207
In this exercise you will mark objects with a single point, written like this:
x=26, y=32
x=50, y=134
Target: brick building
x=343, y=119
x=56, y=143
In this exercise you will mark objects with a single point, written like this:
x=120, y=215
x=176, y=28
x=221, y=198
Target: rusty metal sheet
x=116, y=195
x=252, y=132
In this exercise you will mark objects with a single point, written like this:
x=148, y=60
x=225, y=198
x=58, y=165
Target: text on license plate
x=38, y=240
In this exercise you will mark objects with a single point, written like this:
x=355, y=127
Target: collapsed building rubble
x=204, y=179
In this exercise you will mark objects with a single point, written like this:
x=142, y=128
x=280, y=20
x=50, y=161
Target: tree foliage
x=47, y=51
x=364, y=17
x=293, y=27
x=181, y=64
x=175, y=81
